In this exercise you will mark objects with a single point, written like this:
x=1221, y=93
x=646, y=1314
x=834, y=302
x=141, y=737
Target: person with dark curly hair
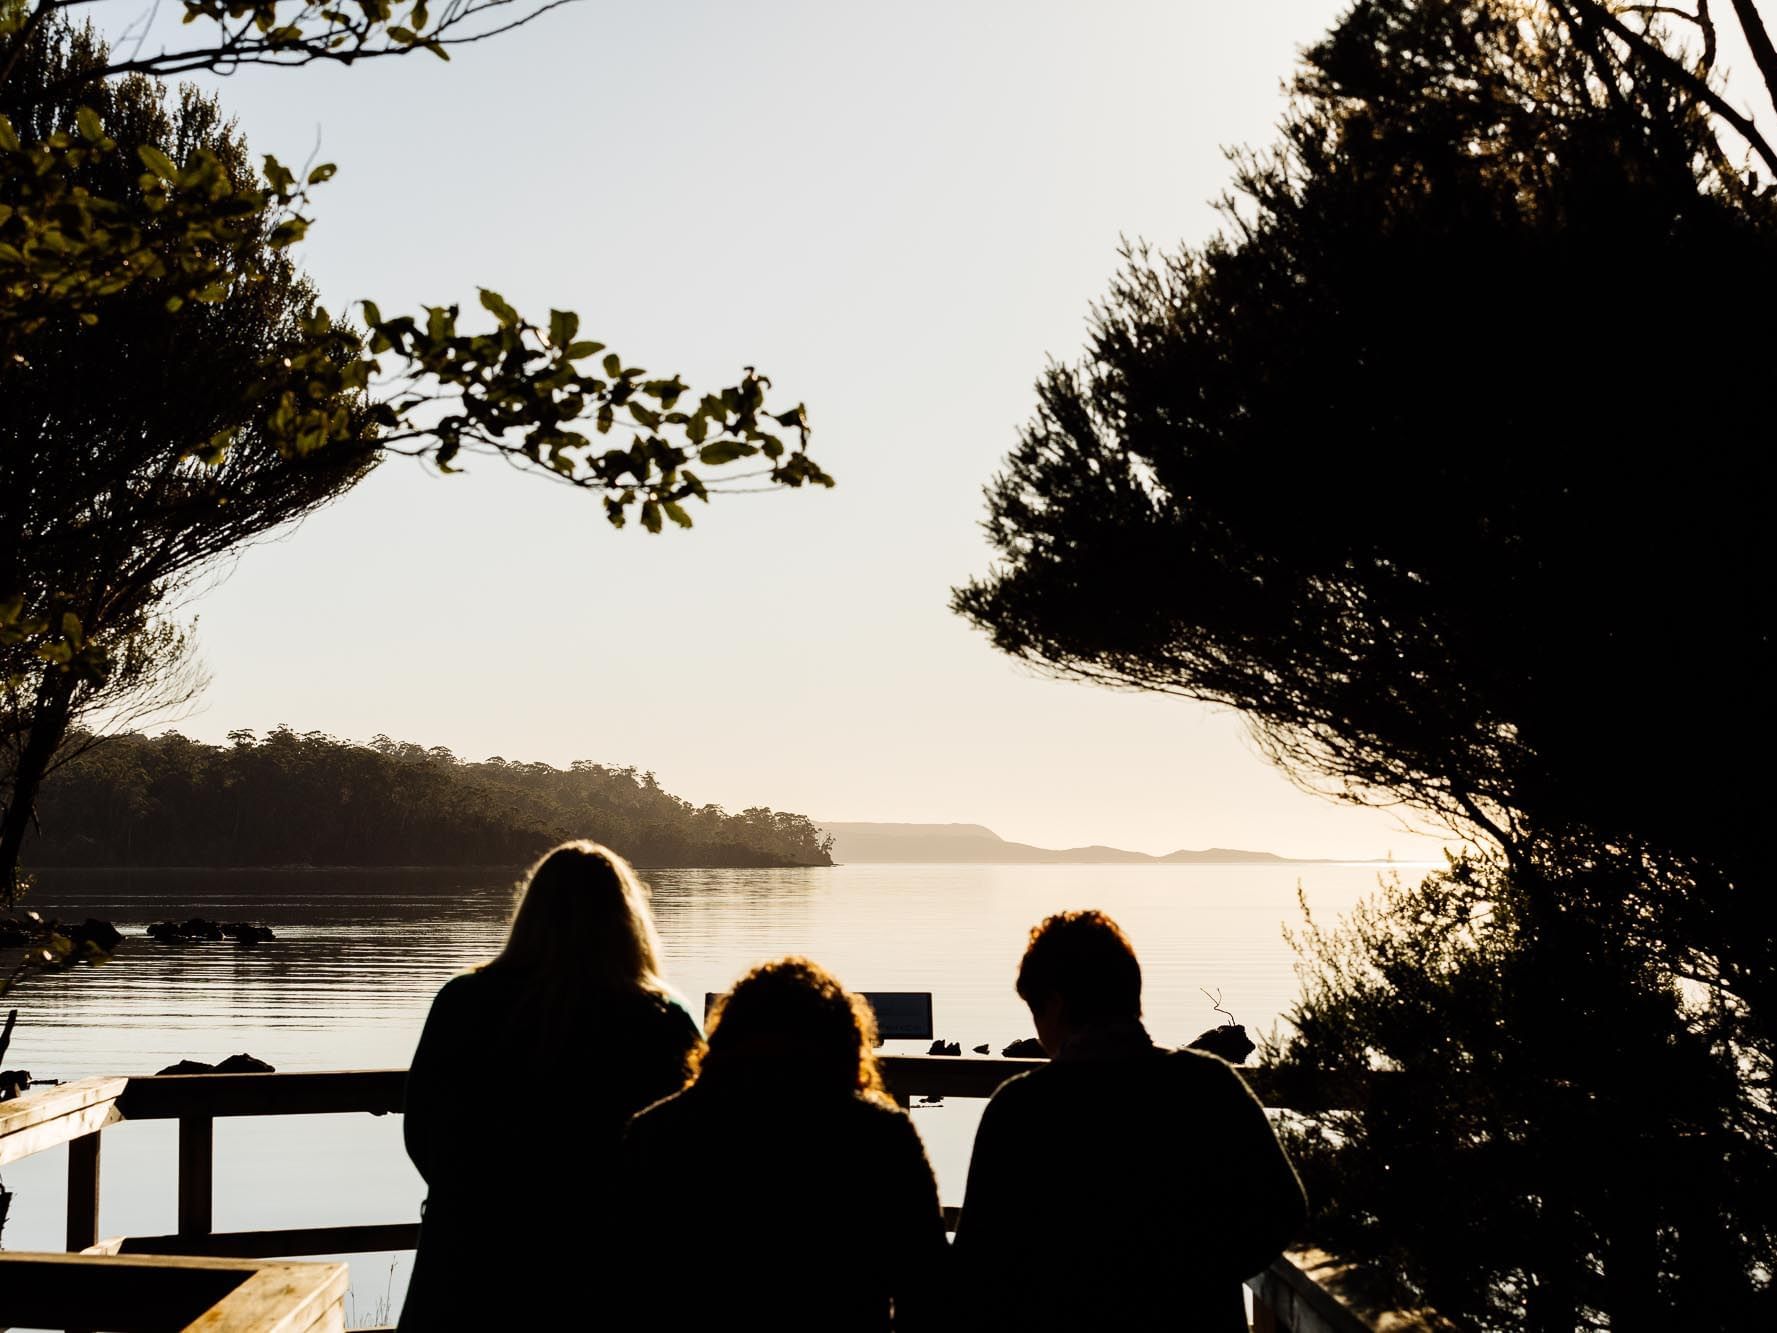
x=809, y=1185
x=575, y=997
x=1122, y=1185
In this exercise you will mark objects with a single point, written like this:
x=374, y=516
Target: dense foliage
x=1446, y=467
x=1558, y=1137
x=122, y=227
x=104, y=494
x=308, y=799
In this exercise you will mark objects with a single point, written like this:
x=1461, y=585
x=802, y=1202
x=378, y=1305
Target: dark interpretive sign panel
x=900, y=1014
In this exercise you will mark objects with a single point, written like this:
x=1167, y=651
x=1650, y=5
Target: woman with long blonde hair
x=526, y=1072
x=809, y=1185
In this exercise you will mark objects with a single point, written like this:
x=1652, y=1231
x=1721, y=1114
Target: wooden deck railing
x=1303, y=1292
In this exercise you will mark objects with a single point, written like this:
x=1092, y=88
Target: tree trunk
x=49, y=723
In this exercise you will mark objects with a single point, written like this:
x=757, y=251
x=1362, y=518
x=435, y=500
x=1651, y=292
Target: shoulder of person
x=467, y=987
x=1205, y=1073
x=1022, y=1089
x=878, y=1111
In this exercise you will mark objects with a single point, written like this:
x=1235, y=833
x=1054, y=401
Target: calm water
x=360, y=954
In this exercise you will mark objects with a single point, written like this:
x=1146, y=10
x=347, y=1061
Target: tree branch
x=1758, y=37
x=44, y=9
x=1697, y=87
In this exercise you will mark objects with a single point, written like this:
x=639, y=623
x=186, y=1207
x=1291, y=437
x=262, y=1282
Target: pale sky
x=897, y=212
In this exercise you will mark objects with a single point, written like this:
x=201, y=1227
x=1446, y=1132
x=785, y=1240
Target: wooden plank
x=379, y=1091
x=328, y=1092
x=1311, y=1291
x=54, y=1290
x=53, y=1133
x=47, y=1103
x=281, y=1298
x=83, y=1191
x=949, y=1075
x=364, y=1239
x=197, y=1168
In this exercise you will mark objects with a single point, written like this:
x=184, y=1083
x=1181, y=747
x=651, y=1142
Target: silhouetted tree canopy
x=1561, y=1138
x=1447, y=463
x=106, y=494
x=308, y=799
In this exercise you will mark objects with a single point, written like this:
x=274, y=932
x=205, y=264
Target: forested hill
x=308, y=799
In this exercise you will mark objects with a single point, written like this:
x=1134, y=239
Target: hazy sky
x=895, y=211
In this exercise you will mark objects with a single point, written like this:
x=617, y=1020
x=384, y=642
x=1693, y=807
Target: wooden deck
x=1305, y=1291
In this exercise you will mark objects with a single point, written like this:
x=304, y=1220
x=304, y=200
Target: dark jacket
x=804, y=1210
x=513, y=1118
x=1126, y=1187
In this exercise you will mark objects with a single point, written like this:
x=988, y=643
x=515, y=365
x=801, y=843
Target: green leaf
x=88, y=121
x=288, y=232
x=613, y=366
x=496, y=303
x=158, y=162
x=9, y=139
x=724, y=451
x=563, y=325
x=325, y=172
x=651, y=515
x=577, y=350
x=676, y=512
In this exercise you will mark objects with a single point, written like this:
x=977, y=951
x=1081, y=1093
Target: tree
x=103, y=495
x=1445, y=465
x=1539, y=1129
x=106, y=222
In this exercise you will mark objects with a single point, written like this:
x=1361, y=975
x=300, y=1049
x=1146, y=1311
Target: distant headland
x=865, y=842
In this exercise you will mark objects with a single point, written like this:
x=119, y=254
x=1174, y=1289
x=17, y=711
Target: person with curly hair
x=1139, y=1186
x=810, y=1185
x=575, y=997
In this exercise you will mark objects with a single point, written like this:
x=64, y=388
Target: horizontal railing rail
x=1305, y=1291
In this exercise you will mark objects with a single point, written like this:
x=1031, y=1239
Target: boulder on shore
x=1228, y=1041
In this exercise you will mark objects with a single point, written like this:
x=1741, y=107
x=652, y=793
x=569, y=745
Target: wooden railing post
x=83, y=1192
x=196, y=1174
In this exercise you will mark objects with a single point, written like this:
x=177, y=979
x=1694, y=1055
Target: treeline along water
x=309, y=799
x=360, y=954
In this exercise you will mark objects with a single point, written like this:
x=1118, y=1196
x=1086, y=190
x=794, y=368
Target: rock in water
x=244, y=1064
x=235, y=1064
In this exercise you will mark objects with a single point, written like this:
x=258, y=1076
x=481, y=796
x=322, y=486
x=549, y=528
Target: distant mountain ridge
x=869, y=842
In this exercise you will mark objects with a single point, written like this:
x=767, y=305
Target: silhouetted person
x=1122, y=1185
x=525, y=1075
x=784, y=1189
